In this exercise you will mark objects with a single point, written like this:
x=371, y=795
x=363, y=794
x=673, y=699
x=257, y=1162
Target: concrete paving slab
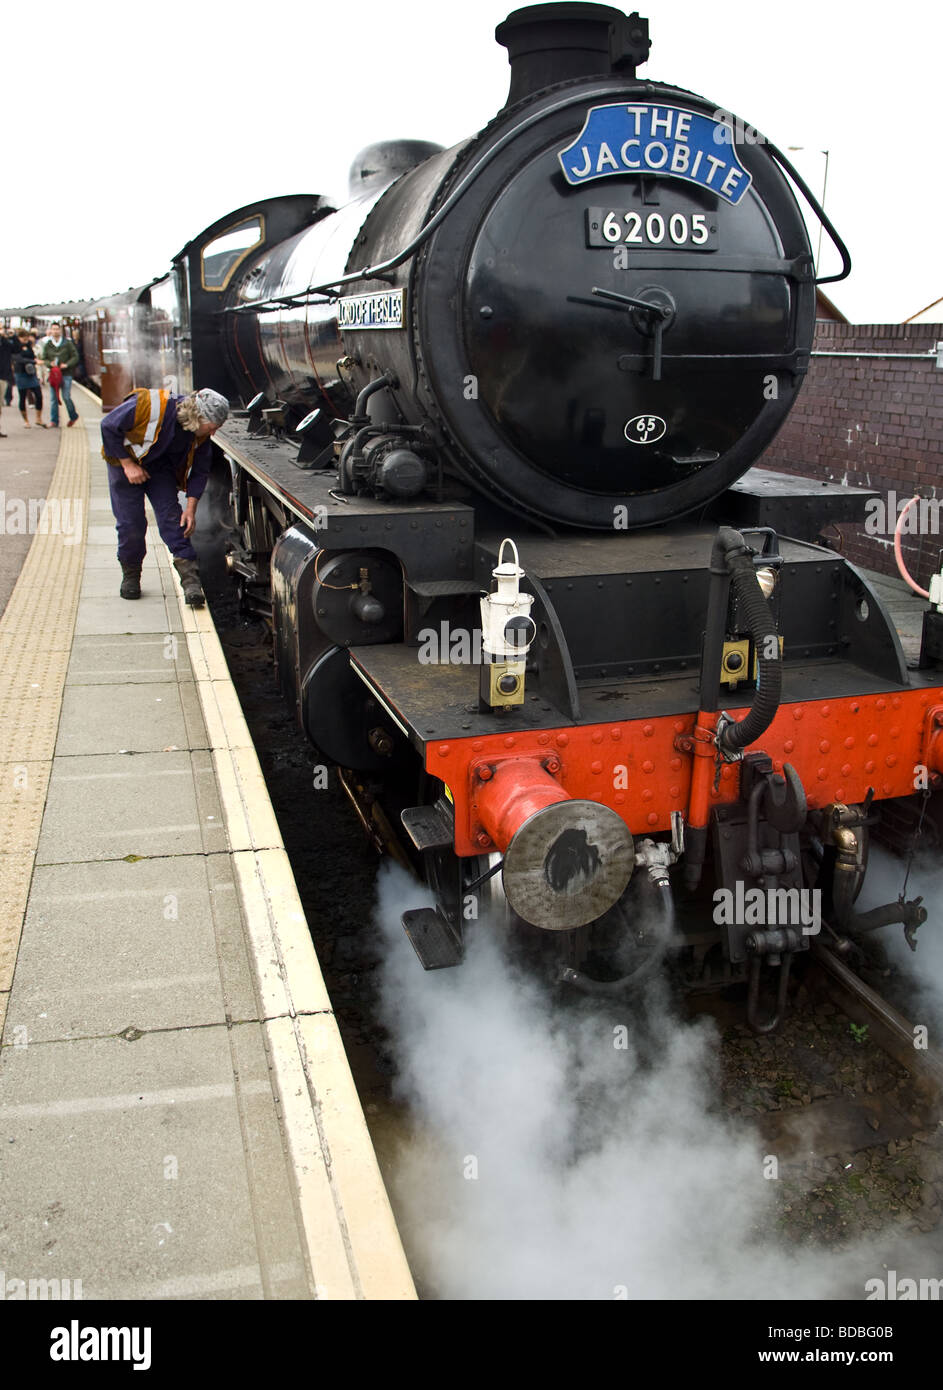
x=214, y=831
x=102, y=534
x=175, y=619
x=289, y=979
x=192, y=709
x=270, y=1184
x=127, y=1164
x=103, y=583
x=382, y=1271
x=106, y=557
x=111, y=806
x=139, y=718
x=240, y=992
x=146, y=939
x=145, y=658
x=98, y=616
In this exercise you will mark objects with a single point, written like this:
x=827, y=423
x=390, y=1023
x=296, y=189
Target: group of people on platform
x=156, y=443
x=29, y=363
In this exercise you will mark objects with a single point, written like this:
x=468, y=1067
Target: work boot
x=131, y=583
x=189, y=572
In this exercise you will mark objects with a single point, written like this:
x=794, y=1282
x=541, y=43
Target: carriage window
x=224, y=253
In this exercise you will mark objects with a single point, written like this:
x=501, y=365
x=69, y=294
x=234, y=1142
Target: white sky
x=131, y=126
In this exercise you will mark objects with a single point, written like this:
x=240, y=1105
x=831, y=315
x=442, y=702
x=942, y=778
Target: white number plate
x=688, y=231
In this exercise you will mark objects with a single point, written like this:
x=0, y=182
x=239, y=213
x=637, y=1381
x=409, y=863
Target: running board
x=433, y=939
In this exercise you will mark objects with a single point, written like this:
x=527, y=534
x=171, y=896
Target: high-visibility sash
x=149, y=411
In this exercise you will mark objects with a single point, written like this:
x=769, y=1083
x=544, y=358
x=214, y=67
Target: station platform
x=177, y=1117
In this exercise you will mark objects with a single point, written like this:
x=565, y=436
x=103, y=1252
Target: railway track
x=848, y=1108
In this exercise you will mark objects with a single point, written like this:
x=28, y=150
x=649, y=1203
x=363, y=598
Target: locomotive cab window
x=224, y=253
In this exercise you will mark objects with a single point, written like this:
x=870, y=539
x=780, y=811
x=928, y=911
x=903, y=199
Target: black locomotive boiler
x=488, y=487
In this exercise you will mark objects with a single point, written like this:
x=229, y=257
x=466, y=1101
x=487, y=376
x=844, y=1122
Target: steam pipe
x=372, y=387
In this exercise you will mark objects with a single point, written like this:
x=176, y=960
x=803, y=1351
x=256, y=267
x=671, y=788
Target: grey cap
x=213, y=407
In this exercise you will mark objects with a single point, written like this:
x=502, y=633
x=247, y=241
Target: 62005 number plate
x=690, y=231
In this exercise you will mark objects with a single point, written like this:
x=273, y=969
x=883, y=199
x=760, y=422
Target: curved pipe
x=910, y=914
x=372, y=387
x=820, y=213
x=731, y=562
x=771, y=1022
x=588, y=985
x=898, y=555
x=769, y=681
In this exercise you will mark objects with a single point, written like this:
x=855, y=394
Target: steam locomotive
x=488, y=487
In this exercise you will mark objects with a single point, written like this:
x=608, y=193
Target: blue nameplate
x=620, y=139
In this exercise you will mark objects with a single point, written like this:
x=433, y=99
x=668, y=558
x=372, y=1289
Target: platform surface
x=177, y=1119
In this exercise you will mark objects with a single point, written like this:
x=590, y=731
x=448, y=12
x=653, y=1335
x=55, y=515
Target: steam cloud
x=547, y=1163
x=922, y=969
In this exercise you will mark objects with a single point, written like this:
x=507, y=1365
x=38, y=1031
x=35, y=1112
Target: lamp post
x=799, y=149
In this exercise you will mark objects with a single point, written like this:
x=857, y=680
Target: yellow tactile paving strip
x=35, y=640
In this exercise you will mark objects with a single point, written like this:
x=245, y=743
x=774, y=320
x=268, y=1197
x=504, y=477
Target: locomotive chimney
x=554, y=43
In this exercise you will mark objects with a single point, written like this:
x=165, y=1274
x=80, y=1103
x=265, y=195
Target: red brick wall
x=872, y=422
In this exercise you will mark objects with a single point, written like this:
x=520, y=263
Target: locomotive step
x=433, y=939
x=427, y=827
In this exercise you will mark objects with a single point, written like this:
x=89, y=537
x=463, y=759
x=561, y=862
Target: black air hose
x=762, y=628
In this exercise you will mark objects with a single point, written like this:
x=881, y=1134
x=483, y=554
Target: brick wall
x=873, y=422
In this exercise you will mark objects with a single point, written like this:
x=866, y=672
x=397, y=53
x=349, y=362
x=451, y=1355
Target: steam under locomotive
x=487, y=485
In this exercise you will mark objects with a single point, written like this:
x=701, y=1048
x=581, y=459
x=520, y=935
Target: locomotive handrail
x=378, y=271
x=820, y=213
